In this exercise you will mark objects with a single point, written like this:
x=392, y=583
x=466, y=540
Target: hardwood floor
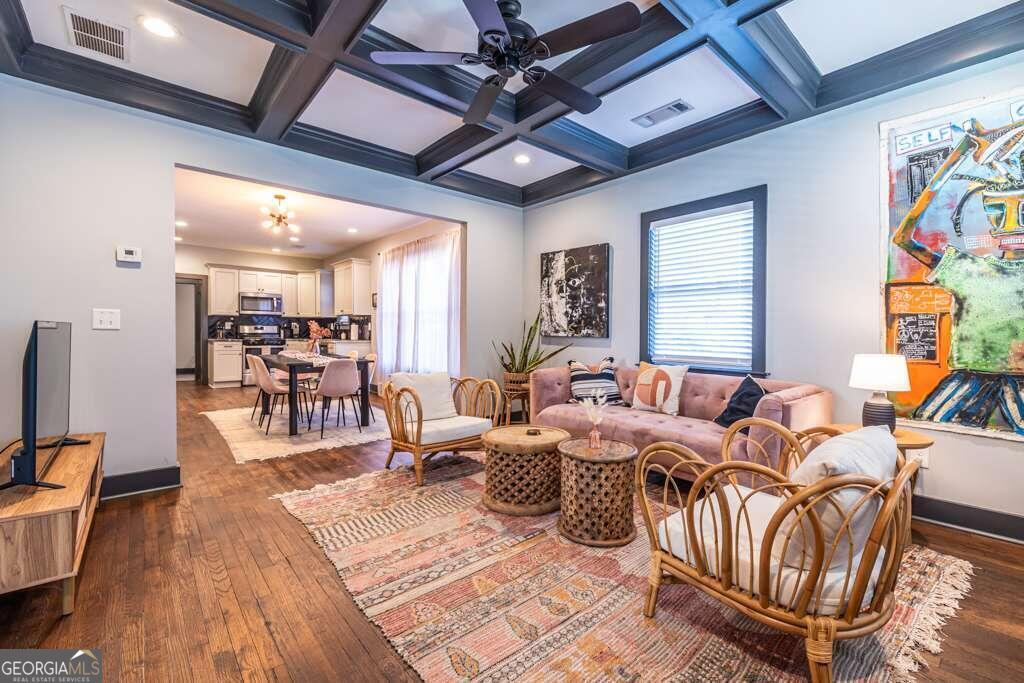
x=215, y=581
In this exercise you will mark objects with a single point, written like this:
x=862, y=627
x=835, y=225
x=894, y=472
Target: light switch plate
x=106, y=318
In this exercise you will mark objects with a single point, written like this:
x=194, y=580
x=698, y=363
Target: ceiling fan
x=509, y=45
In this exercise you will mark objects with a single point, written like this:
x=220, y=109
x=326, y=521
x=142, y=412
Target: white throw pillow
x=658, y=386
x=869, y=451
x=435, y=392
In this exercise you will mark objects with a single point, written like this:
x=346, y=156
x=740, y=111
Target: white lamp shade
x=880, y=372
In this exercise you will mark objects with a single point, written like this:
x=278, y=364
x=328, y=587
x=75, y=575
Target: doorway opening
x=190, y=328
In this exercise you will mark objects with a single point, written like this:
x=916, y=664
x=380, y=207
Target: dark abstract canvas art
x=574, y=292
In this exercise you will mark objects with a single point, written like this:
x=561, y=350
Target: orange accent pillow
x=658, y=387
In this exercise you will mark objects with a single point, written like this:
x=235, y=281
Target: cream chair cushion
x=760, y=508
x=452, y=428
x=869, y=451
x=434, y=390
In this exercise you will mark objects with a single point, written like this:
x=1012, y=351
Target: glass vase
x=594, y=439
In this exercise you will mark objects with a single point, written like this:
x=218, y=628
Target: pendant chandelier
x=278, y=217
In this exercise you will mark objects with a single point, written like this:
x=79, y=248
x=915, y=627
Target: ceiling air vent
x=662, y=113
x=91, y=34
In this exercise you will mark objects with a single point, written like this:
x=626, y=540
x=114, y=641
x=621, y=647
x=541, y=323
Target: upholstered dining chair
x=270, y=387
x=340, y=380
x=371, y=364
x=807, y=540
x=425, y=420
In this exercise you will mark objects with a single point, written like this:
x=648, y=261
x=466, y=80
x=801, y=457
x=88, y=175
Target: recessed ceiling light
x=276, y=250
x=353, y=230
x=294, y=238
x=177, y=238
x=521, y=159
x=181, y=224
x=158, y=26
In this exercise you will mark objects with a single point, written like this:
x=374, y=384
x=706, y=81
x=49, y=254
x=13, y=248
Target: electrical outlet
x=924, y=457
x=106, y=318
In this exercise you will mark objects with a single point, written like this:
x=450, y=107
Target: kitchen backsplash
x=282, y=321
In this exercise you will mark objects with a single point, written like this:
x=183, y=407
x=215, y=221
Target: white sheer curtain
x=419, y=305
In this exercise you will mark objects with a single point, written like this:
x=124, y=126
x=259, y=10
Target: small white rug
x=248, y=442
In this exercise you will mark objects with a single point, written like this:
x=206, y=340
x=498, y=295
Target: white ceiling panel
x=838, y=34
x=357, y=108
x=224, y=213
x=445, y=25
x=207, y=55
x=700, y=79
x=501, y=165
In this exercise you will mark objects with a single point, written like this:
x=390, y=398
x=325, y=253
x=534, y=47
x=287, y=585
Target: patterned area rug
x=248, y=441
x=464, y=593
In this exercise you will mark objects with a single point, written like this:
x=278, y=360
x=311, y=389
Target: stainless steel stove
x=258, y=340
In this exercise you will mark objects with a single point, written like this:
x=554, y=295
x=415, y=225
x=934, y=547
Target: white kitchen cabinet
x=225, y=361
x=352, y=286
x=223, y=291
x=269, y=283
x=289, y=294
x=248, y=281
x=307, y=295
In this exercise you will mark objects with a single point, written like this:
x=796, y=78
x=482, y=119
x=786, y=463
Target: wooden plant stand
x=597, y=492
x=522, y=469
x=43, y=531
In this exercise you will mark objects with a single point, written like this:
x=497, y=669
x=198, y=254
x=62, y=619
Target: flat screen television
x=45, y=403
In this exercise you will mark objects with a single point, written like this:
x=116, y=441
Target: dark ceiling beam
x=339, y=24
x=282, y=23
x=482, y=186
x=456, y=147
x=572, y=180
x=569, y=139
x=15, y=37
x=977, y=40
x=350, y=150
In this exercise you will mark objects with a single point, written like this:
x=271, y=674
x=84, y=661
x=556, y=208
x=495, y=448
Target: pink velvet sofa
x=703, y=396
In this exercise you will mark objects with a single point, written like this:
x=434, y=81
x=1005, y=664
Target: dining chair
x=340, y=380
x=269, y=386
x=371, y=363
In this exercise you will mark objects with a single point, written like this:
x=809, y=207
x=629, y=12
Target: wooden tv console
x=43, y=531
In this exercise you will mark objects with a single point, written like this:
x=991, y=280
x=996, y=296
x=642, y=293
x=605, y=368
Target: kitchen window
x=703, y=270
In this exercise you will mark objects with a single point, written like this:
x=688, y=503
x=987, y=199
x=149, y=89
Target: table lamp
x=879, y=372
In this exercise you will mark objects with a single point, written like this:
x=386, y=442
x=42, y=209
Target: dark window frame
x=758, y=196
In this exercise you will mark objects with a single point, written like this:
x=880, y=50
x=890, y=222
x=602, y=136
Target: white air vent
x=662, y=113
x=87, y=33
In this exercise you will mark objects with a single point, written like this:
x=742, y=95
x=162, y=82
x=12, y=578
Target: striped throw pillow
x=584, y=382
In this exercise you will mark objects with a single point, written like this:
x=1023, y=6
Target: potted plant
x=519, y=363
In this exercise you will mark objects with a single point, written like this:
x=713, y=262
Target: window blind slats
x=701, y=290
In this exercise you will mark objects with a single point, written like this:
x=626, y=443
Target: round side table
x=522, y=469
x=597, y=492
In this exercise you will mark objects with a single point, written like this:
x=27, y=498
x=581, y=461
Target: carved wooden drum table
x=522, y=469
x=597, y=492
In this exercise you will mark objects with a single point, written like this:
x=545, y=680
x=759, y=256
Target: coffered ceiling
x=298, y=73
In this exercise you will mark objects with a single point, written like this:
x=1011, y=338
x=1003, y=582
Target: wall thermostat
x=129, y=255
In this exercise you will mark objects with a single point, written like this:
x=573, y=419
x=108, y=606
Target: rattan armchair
x=819, y=561
x=477, y=399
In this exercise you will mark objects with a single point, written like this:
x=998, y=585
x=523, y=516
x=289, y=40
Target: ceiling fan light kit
x=509, y=45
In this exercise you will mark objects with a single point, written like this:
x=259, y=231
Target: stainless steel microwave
x=259, y=303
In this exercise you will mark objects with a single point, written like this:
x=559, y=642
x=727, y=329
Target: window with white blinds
x=704, y=301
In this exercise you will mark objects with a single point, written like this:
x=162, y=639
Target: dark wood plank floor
x=215, y=581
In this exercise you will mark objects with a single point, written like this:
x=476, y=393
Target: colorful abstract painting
x=574, y=292
x=953, y=295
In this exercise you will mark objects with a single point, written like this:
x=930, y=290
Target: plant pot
x=517, y=381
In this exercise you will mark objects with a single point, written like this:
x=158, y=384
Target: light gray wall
x=192, y=259
x=371, y=251
x=824, y=244
x=184, y=326
x=82, y=176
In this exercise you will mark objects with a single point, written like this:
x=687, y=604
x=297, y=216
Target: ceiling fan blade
x=489, y=21
x=561, y=89
x=612, y=22
x=387, y=57
x=484, y=100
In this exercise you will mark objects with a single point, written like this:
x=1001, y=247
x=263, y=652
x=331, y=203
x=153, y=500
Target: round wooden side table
x=597, y=492
x=522, y=469
x=906, y=439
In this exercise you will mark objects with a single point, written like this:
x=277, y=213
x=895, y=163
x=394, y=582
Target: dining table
x=296, y=363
